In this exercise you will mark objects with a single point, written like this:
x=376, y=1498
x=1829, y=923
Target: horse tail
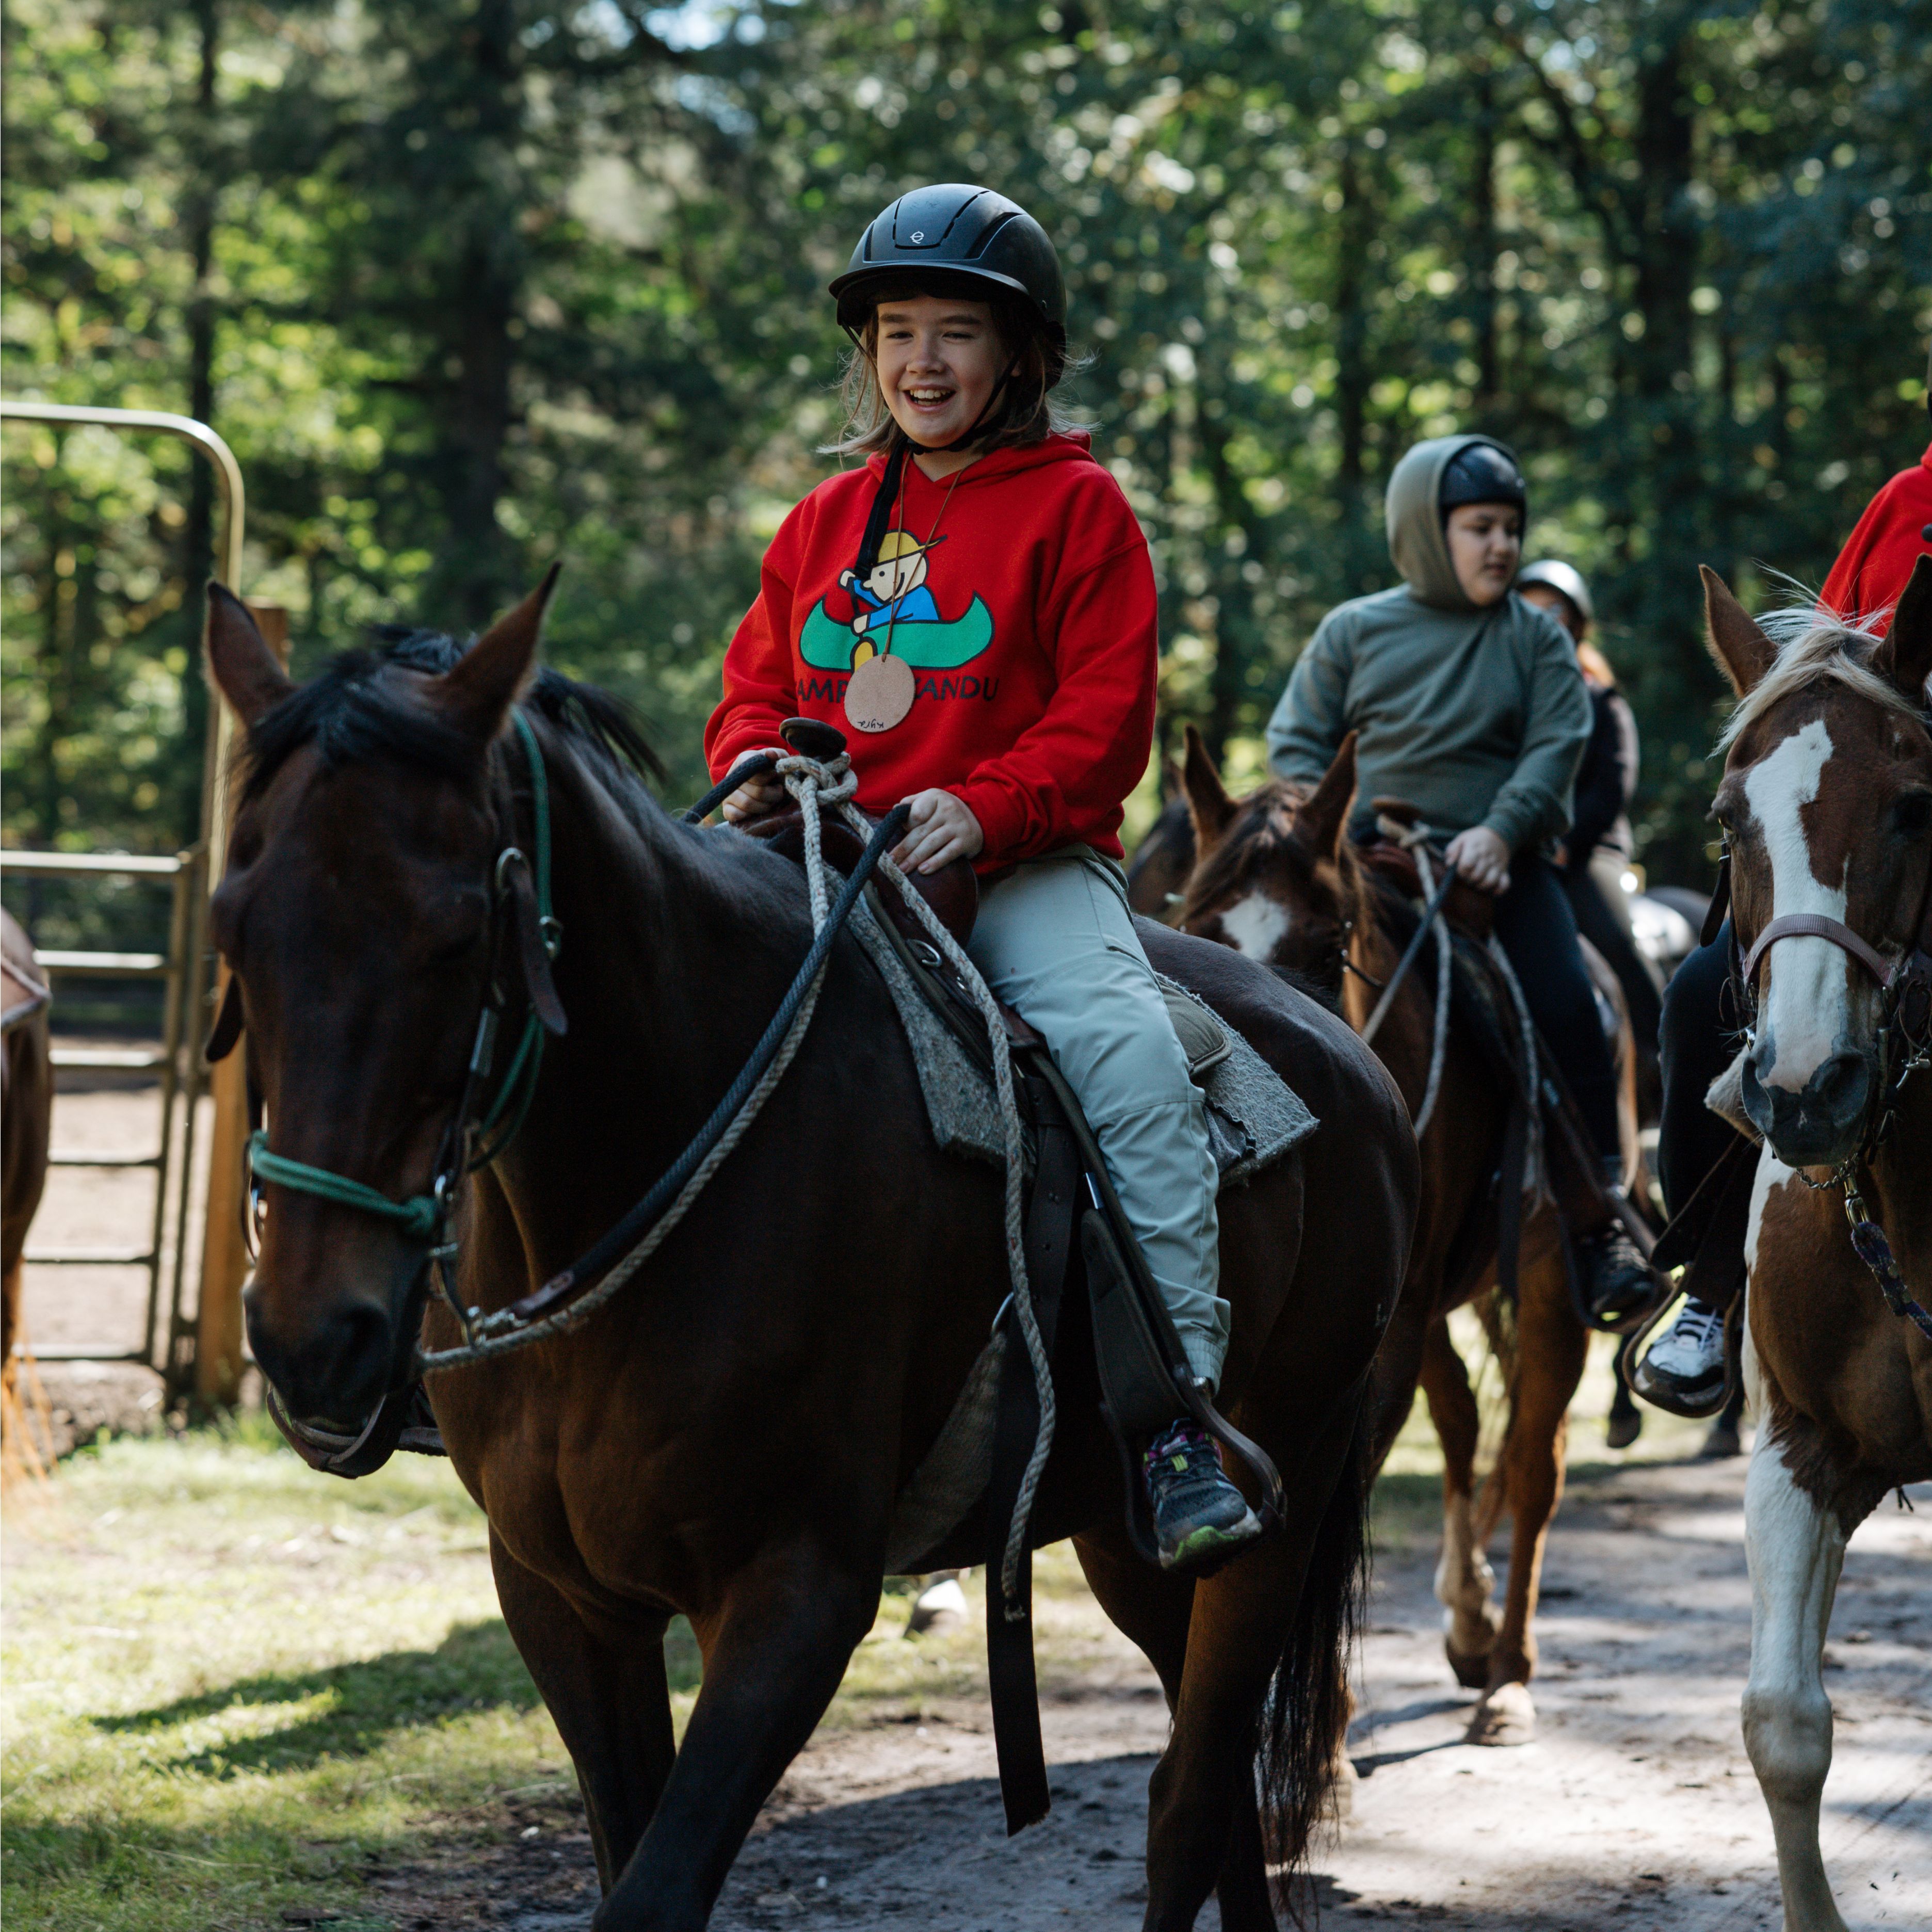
x=1304, y=1721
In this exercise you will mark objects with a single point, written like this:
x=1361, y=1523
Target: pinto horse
x=1826, y=806
x=1278, y=881
x=726, y=1437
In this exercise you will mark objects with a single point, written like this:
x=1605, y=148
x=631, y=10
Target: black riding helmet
x=1482, y=472
x=956, y=239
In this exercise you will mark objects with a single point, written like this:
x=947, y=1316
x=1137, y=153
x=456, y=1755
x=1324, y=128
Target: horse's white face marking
x=1254, y=925
x=1806, y=1013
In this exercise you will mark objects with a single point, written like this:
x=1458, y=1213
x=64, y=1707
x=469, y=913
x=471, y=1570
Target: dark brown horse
x=726, y=1438
x=1826, y=806
x=1278, y=881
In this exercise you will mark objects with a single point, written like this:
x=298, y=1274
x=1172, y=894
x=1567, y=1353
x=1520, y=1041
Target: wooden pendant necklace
x=880, y=693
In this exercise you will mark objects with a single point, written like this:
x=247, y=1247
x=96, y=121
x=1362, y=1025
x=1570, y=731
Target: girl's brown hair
x=1024, y=410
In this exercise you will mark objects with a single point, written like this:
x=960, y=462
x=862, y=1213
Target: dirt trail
x=1636, y=1806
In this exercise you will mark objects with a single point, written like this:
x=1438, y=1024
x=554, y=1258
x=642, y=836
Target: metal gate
x=201, y=1354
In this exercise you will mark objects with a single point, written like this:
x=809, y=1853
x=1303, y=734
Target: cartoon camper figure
x=895, y=591
x=893, y=610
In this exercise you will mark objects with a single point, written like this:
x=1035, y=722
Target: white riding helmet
x=1565, y=579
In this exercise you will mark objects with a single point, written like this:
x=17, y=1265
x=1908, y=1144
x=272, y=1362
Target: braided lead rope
x=1014, y=1609
x=574, y=1314
x=1438, y=1050
x=1532, y=1077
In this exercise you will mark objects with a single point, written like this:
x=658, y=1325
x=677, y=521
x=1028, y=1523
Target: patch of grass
x=231, y=1685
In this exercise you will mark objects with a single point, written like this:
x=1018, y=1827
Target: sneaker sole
x=1211, y=1547
x=1696, y=1402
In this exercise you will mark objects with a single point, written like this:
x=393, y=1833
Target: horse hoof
x=1471, y=1666
x=1620, y=1431
x=1723, y=1440
x=1507, y=1715
x=938, y=1607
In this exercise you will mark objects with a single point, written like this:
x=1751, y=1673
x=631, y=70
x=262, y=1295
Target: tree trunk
x=1351, y=333
x=1662, y=359
x=198, y=535
x=1482, y=261
x=1237, y=636
x=476, y=574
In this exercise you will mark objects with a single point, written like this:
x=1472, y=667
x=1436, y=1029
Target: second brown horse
x=1277, y=878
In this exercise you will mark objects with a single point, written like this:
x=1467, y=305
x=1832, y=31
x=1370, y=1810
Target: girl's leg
x=1055, y=939
x=1538, y=931
x=1684, y=1370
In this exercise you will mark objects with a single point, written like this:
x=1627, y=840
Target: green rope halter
x=420, y=1216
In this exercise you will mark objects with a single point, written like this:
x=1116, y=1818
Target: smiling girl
x=975, y=606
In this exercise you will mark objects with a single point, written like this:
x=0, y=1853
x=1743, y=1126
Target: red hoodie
x=1030, y=627
x=1876, y=564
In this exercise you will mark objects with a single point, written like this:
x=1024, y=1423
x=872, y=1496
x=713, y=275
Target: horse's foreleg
x=610, y=1701
x=1795, y=1549
x=1463, y=1577
x=774, y=1652
x=1154, y=1610
x=1552, y=1346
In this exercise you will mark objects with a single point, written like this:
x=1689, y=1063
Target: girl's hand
x=1482, y=858
x=757, y=796
x=942, y=828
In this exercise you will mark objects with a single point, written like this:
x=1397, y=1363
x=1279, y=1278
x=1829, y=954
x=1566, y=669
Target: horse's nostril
x=1839, y=1088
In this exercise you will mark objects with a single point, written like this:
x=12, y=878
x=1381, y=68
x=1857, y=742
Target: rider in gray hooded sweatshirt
x=1477, y=713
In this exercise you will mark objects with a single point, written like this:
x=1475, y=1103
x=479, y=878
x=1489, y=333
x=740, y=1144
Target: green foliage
x=469, y=284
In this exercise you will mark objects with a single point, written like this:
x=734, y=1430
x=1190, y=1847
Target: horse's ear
x=1905, y=657
x=245, y=671
x=1208, y=804
x=1170, y=786
x=490, y=676
x=1321, y=818
x=1738, y=647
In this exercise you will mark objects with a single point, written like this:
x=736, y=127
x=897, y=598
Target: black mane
x=351, y=713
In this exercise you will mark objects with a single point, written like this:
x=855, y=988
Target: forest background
x=469, y=285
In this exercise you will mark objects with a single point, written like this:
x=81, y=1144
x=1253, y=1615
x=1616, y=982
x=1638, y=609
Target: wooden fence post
x=224, y=1260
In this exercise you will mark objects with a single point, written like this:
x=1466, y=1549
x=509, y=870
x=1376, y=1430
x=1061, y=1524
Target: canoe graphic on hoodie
x=892, y=609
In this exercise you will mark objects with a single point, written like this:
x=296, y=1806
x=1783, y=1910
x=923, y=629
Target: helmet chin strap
x=902, y=445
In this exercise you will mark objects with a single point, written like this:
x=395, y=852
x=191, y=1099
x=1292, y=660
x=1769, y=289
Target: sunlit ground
x=231, y=1685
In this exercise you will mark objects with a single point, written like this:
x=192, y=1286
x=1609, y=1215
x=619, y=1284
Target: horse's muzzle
x=334, y=1368
x=1819, y=1124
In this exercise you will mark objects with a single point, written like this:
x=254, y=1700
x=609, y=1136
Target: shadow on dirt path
x=1635, y=1806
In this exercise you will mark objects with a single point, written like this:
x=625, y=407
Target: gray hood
x=1416, y=538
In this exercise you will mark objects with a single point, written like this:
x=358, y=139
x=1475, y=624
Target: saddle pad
x=1253, y=1116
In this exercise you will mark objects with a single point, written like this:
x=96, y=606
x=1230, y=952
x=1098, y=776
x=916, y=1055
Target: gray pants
x=1055, y=939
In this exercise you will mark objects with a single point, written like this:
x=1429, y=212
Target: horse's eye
x=1912, y=815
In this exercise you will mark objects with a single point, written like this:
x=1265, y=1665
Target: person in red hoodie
x=1684, y=1370
x=974, y=606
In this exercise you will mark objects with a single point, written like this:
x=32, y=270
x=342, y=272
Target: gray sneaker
x=1200, y=1519
x=1683, y=1370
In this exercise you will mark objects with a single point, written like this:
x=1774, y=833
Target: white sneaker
x=1683, y=1370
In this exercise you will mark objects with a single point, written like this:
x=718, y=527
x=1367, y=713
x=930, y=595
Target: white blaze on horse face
x=1254, y=925
x=1806, y=1011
